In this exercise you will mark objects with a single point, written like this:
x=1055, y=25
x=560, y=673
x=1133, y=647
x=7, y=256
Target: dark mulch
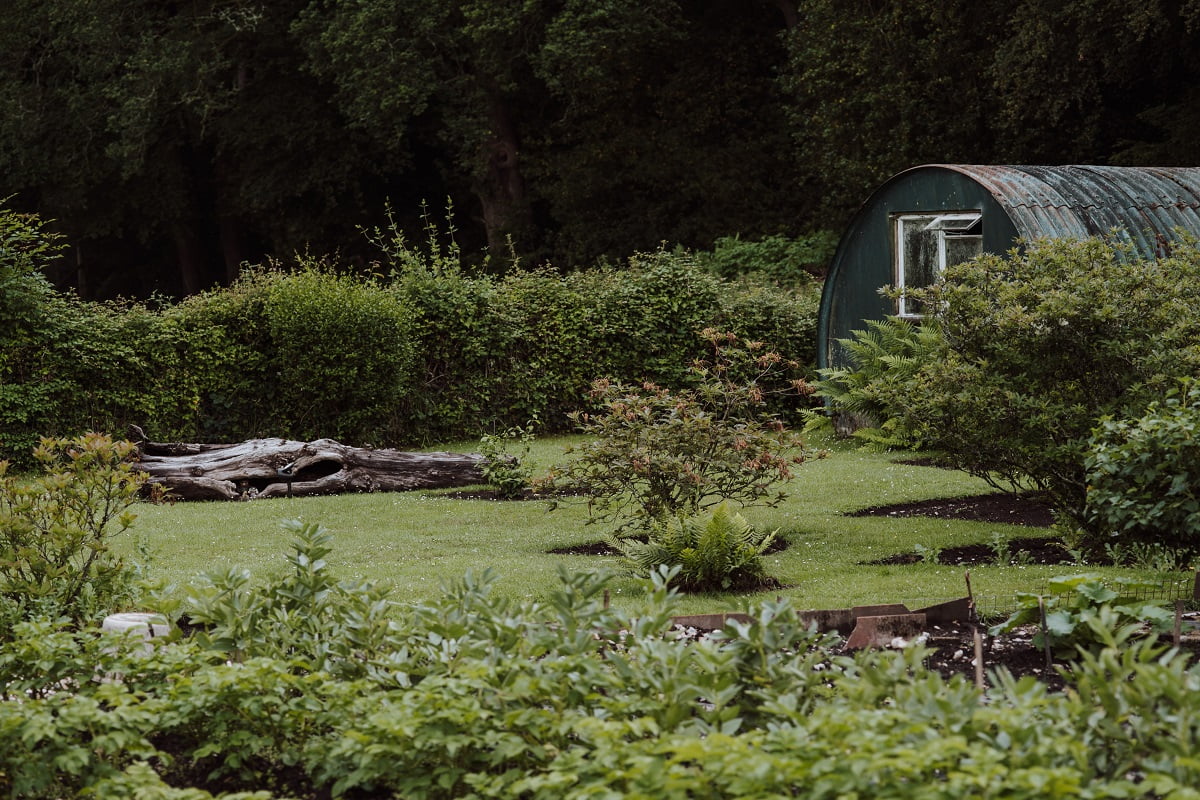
x=953, y=653
x=1030, y=550
x=999, y=508
x=600, y=548
x=1006, y=509
x=604, y=548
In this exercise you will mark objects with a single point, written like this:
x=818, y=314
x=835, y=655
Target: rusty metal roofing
x=1146, y=203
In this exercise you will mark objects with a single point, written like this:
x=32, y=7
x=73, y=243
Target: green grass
x=420, y=541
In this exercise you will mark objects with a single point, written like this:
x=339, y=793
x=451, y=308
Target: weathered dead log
x=280, y=467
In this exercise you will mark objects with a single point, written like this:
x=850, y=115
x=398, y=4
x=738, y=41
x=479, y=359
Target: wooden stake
x=1045, y=631
x=606, y=599
x=1177, y=636
x=979, y=684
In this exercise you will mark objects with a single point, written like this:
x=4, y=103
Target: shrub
x=1143, y=476
x=658, y=453
x=790, y=262
x=306, y=616
x=714, y=552
x=508, y=473
x=304, y=354
x=431, y=353
x=1035, y=348
x=56, y=531
x=27, y=391
x=344, y=355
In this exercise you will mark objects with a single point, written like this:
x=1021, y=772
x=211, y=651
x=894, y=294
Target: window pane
x=926, y=244
x=962, y=248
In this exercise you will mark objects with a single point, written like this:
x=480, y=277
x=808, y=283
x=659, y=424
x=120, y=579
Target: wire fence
x=1164, y=590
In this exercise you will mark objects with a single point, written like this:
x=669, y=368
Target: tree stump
x=281, y=468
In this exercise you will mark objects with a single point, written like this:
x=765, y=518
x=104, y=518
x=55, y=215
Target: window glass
x=925, y=244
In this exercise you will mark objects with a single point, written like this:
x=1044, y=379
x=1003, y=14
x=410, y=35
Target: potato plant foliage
x=474, y=696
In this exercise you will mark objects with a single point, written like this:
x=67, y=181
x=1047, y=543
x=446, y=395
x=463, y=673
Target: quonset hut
x=926, y=218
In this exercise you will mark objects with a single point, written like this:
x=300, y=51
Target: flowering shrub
x=657, y=453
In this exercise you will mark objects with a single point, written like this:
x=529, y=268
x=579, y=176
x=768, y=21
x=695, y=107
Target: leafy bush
x=305, y=616
x=714, y=552
x=26, y=392
x=431, y=352
x=344, y=355
x=56, y=531
x=1035, y=348
x=656, y=453
x=1143, y=475
x=508, y=473
x=1083, y=612
x=791, y=262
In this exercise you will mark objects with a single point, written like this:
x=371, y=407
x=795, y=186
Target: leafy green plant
x=1143, y=476
x=56, y=530
x=568, y=697
x=1141, y=555
x=716, y=551
x=658, y=454
x=509, y=473
x=1001, y=549
x=306, y=615
x=789, y=261
x=863, y=398
x=1082, y=611
x=928, y=553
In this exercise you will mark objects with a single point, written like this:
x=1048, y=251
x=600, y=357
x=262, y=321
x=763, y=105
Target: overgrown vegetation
x=784, y=260
x=1024, y=355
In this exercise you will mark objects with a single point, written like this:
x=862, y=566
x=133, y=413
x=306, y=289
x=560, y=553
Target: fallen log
x=260, y=468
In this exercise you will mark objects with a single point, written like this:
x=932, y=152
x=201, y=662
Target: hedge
x=313, y=351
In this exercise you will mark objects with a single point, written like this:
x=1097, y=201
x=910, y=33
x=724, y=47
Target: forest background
x=171, y=142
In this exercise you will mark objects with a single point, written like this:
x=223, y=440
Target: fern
x=717, y=551
x=881, y=360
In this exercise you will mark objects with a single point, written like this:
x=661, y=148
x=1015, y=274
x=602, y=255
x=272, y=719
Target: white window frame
x=946, y=225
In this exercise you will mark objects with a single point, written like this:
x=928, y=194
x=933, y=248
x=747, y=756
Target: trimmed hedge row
x=422, y=356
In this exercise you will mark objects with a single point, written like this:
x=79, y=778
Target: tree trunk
x=501, y=191
x=282, y=468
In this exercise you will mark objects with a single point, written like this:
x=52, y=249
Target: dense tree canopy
x=172, y=141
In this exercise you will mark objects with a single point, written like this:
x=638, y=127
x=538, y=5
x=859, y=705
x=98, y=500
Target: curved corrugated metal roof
x=1146, y=203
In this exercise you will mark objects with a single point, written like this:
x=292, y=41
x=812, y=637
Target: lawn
x=418, y=541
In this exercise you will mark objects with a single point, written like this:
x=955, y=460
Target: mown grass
x=419, y=541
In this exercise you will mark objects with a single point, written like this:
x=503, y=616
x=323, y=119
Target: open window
x=925, y=244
